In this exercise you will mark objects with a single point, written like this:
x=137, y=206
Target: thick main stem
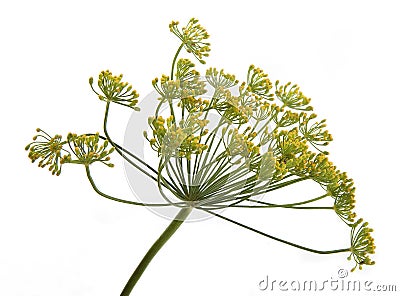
x=158, y=244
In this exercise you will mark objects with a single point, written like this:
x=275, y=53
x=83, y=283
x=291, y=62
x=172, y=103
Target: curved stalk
x=276, y=238
x=89, y=176
x=119, y=151
x=174, y=60
x=291, y=204
x=264, y=204
x=158, y=244
x=116, y=145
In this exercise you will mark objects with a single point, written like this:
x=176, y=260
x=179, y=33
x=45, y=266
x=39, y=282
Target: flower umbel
x=220, y=79
x=362, y=244
x=190, y=82
x=88, y=150
x=314, y=133
x=114, y=90
x=192, y=37
x=48, y=149
x=292, y=97
x=258, y=83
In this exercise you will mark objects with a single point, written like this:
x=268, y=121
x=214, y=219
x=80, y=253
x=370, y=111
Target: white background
x=57, y=237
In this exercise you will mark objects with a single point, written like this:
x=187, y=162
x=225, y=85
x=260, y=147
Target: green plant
x=266, y=137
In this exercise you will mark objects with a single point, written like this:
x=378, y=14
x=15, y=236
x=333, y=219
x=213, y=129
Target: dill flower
x=114, y=90
x=189, y=79
x=168, y=89
x=362, y=244
x=192, y=37
x=48, y=149
x=87, y=149
x=220, y=79
x=258, y=83
x=291, y=96
x=232, y=108
x=220, y=143
x=343, y=191
x=314, y=133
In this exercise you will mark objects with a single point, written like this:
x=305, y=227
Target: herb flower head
x=114, y=90
x=219, y=143
x=88, y=150
x=362, y=244
x=192, y=37
x=48, y=149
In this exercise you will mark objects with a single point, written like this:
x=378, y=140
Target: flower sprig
x=88, y=149
x=259, y=83
x=289, y=144
x=192, y=37
x=343, y=191
x=291, y=96
x=231, y=107
x=287, y=118
x=315, y=133
x=54, y=152
x=362, y=244
x=49, y=150
x=170, y=139
x=114, y=90
x=190, y=83
x=220, y=79
x=167, y=88
x=240, y=144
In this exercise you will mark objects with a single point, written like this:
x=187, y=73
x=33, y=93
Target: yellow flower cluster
x=189, y=79
x=114, y=90
x=289, y=144
x=292, y=97
x=193, y=104
x=185, y=70
x=343, y=191
x=288, y=118
x=171, y=140
x=233, y=108
x=192, y=37
x=168, y=89
x=266, y=111
x=362, y=244
x=48, y=149
x=241, y=144
x=220, y=79
x=259, y=83
x=314, y=133
x=298, y=160
x=87, y=150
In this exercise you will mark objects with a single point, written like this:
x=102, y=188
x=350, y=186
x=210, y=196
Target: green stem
x=159, y=243
x=276, y=238
x=287, y=205
x=98, y=191
x=174, y=61
x=117, y=148
x=283, y=184
x=172, y=78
